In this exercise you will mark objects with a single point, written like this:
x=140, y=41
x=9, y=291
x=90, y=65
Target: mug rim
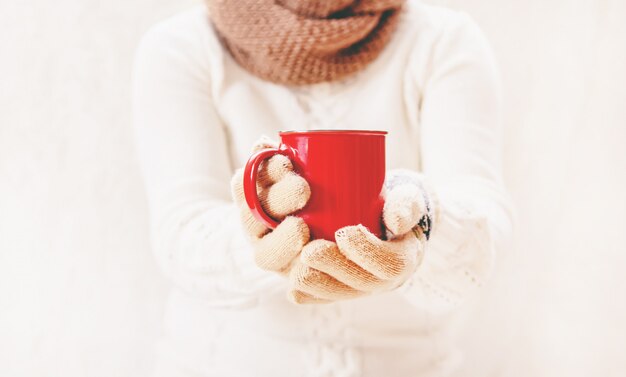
x=328, y=131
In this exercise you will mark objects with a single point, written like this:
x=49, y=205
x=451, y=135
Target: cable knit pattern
x=332, y=352
x=196, y=114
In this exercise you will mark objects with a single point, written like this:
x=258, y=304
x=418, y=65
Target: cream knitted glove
x=359, y=263
x=281, y=192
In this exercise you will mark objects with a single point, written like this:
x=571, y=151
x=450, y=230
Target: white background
x=80, y=294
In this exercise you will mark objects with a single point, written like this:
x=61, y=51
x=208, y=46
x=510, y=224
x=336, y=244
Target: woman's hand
x=359, y=263
x=281, y=192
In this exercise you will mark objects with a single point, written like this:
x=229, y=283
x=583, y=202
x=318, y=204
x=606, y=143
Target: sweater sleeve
x=184, y=154
x=461, y=159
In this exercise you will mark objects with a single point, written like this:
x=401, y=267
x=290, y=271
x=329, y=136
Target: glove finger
x=276, y=250
x=299, y=297
x=287, y=192
x=285, y=196
x=404, y=205
x=388, y=260
x=273, y=170
x=253, y=226
x=321, y=285
x=325, y=256
x=264, y=142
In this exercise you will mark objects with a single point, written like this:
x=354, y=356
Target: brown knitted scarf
x=299, y=42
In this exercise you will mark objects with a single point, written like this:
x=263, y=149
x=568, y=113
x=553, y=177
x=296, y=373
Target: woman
x=252, y=302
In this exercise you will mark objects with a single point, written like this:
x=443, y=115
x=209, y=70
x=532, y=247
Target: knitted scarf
x=298, y=42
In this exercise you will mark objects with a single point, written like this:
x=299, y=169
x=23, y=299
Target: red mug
x=345, y=170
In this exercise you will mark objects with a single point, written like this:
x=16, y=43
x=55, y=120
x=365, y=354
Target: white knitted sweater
x=196, y=115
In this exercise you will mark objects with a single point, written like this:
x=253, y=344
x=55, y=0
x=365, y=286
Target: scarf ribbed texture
x=299, y=42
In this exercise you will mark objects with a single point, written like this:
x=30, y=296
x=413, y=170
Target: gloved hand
x=359, y=263
x=281, y=192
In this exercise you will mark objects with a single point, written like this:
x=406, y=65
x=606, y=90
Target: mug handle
x=250, y=175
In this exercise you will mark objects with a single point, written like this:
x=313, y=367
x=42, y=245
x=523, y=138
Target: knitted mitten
x=411, y=205
x=281, y=192
x=359, y=263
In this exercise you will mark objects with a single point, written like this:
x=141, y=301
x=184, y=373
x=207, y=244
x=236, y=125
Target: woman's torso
x=381, y=335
